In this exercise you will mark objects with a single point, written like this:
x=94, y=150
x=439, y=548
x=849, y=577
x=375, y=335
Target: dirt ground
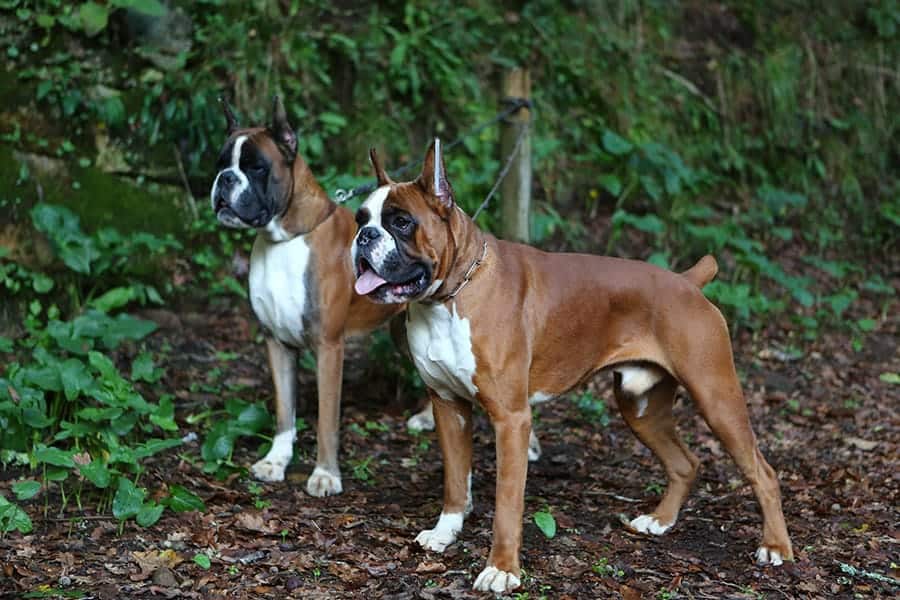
x=824, y=420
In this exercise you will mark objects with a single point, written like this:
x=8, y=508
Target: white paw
x=494, y=580
x=423, y=420
x=534, y=448
x=443, y=534
x=323, y=483
x=267, y=470
x=649, y=524
x=767, y=556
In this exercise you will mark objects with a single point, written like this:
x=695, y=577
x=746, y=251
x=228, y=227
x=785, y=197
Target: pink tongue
x=367, y=282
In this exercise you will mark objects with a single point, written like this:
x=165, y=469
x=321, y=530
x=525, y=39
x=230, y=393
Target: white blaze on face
x=385, y=243
x=379, y=249
x=235, y=168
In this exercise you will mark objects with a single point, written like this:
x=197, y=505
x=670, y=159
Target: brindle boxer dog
x=502, y=324
x=301, y=280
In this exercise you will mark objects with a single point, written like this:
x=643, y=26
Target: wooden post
x=515, y=191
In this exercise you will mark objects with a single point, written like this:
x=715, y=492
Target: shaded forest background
x=765, y=133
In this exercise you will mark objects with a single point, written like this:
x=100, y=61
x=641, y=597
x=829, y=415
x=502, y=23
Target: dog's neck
x=308, y=205
x=465, y=256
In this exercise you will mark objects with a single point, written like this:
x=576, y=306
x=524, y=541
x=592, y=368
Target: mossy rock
x=100, y=199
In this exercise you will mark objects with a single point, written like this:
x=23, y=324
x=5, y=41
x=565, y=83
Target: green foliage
x=65, y=408
x=593, y=408
x=546, y=523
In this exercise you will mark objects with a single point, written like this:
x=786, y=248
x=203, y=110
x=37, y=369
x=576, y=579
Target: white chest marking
x=278, y=291
x=441, y=346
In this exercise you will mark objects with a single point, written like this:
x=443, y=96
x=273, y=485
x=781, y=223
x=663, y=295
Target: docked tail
x=703, y=272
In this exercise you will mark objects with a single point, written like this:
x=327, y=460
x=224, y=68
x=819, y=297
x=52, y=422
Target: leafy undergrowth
x=826, y=419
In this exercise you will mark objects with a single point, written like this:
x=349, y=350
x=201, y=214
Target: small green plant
x=545, y=522
x=202, y=560
x=362, y=469
x=602, y=567
x=256, y=491
x=592, y=407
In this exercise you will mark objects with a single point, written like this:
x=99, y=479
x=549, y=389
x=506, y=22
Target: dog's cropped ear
x=284, y=134
x=433, y=178
x=230, y=119
x=380, y=174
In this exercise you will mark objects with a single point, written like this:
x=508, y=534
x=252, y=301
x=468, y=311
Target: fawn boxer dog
x=504, y=324
x=301, y=280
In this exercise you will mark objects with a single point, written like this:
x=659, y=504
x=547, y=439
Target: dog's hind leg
x=721, y=403
x=650, y=417
x=283, y=364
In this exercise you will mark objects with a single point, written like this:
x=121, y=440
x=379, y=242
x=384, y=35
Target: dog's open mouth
x=370, y=283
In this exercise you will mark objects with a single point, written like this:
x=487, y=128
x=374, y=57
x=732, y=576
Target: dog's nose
x=367, y=235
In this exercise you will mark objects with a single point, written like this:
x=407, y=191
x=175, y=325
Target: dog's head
x=254, y=171
x=405, y=234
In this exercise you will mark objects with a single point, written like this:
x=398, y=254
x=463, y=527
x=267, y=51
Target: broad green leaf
x=56, y=473
x=867, y=324
x=182, y=500
x=74, y=377
x=152, y=8
x=546, y=523
x=143, y=369
x=36, y=419
x=96, y=472
x=890, y=377
x=41, y=283
x=616, y=144
x=149, y=514
x=218, y=443
x=94, y=17
x=154, y=446
x=612, y=184
x=113, y=299
x=128, y=499
x=53, y=456
x=126, y=327
x=96, y=415
x=12, y=517
x=202, y=560
x=164, y=416
x=25, y=490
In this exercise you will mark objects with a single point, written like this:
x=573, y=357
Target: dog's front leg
x=325, y=479
x=512, y=429
x=283, y=364
x=454, y=426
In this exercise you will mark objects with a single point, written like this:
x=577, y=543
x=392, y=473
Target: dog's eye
x=402, y=223
x=258, y=169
